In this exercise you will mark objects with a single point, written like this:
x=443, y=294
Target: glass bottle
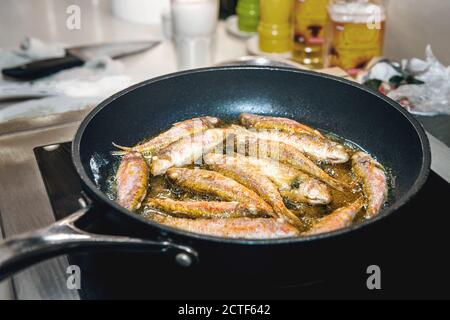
x=275, y=27
x=355, y=33
x=248, y=15
x=310, y=19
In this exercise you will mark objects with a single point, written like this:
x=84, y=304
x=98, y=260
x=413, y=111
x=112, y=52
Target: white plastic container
x=140, y=11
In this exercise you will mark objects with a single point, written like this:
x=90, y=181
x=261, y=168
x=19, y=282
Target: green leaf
x=397, y=81
x=412, y=80
x=373, y=84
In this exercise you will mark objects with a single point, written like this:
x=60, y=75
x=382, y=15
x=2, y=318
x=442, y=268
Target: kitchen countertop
x=438, y=126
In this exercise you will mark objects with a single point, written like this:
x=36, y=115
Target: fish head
x=211, y=121
x=337, y=154
x=362, y=157
x=245, y=118
x=315, y=192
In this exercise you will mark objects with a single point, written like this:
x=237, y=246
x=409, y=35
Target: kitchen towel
x=67, y=90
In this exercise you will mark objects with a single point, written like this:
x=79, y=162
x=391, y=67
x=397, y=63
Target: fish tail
x=127, y=149
x=123, y=150
x=289, y=216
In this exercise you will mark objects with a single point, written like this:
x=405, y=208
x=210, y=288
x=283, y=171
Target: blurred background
x=380, y=43
x=412, y=24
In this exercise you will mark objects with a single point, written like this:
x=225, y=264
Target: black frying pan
x=371, y=120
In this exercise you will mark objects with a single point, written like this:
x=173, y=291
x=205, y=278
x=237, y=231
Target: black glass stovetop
x=414, y=262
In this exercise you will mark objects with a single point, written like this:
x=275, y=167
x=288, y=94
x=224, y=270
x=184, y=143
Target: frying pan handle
x=26, y=249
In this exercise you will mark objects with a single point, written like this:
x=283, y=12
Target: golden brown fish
x=278, y=123
x=373, y=180
x=287, y=154
x=214, y=183
x=187, y=150
x=243, y=228
x=200, y=209
x=252, y=179
x=309, y=190
x=178, y=131
x=318, y=148
x=132, y=181
x=338, y=219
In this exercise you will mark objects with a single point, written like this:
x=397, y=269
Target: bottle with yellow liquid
x=310, y=19
x=355, y=33
x=275, y=27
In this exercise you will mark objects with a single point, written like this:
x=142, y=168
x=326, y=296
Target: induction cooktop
x=411, y=253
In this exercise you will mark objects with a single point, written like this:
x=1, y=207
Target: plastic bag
x=430, y=98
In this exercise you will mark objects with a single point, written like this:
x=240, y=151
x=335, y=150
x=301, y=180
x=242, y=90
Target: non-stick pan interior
x=373, y=122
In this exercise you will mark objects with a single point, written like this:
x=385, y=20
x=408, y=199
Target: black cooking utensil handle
x=62, y=237
x=42, y=68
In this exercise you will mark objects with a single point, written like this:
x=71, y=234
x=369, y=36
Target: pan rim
x=385, y=212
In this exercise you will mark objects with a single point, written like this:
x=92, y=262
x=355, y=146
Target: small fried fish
x=214, y=183
x=374, y=181
x=338, y=219
x=316, y=147
x=200, y=209
x=187, y=150
x=241, y=228
x=278, y=123
x=178, y=131
x=132, y=181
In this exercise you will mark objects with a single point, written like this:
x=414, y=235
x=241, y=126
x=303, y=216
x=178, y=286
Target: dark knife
x=75, y=57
